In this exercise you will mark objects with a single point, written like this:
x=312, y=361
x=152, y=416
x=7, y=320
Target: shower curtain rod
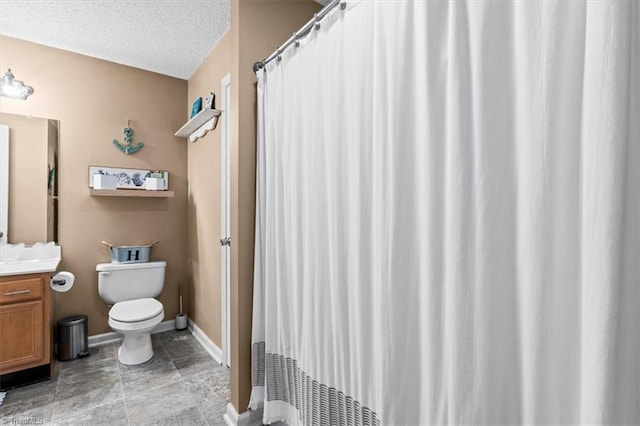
x=302, y=32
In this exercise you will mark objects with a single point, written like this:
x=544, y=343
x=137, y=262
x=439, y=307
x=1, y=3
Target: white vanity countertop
x=18, y=259
x=28, y=267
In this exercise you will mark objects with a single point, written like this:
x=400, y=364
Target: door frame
x=225, y=206
x=4, y=183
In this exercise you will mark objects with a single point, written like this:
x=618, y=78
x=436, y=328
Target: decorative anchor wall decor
x=127, y=148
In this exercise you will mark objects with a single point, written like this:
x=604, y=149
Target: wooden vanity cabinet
x=25, y=322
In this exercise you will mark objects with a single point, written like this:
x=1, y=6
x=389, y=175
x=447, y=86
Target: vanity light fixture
x=12, y=88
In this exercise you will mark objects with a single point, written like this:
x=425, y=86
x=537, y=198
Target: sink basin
x=18, y=259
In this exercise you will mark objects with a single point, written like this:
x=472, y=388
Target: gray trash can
x=73, y=341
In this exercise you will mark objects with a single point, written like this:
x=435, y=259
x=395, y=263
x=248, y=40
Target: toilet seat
x=138, y=310
x=136, y=327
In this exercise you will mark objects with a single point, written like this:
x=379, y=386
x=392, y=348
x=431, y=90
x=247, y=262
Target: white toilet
x=131, y=288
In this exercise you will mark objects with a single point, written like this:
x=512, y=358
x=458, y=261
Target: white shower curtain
x=448, y=217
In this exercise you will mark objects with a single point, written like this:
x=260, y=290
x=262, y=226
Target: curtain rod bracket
x=258, y=66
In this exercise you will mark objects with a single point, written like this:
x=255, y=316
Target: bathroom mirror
x=31, y=190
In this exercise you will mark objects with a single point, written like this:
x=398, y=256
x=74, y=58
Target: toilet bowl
x=131, y=289
x=135, y=320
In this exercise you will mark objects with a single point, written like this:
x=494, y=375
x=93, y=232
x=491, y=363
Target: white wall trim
x=112, y=336
x=248, y=418
x=4, y=183
x=225, y=203
x=207, y=344
x=165, y=326
x=104, y=339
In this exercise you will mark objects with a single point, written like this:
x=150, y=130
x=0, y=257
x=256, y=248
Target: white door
x=225, y=242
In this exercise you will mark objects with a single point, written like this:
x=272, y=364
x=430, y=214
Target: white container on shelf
x=155, y=184
x=104, y=181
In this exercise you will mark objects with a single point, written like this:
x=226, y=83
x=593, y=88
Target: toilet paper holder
x=62, y=281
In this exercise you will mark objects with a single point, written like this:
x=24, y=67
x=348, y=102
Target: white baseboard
x=248, y=418
x=207, y=344
x=104, y=339
x=112, y=336
x=165, y=326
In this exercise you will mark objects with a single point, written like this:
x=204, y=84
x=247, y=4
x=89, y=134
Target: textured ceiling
x=169, y=37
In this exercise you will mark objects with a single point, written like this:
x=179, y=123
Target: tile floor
x=180, y=385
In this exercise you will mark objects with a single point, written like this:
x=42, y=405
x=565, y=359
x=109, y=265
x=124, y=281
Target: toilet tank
x=118, y=282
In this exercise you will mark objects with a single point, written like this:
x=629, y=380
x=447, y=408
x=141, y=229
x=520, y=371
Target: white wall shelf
x=130, y=193
x=199, y=125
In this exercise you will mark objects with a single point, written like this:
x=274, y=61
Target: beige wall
x=93, y=99
x=258, y=28
x=94, y=113
x=204, y=220
x=28, y=140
